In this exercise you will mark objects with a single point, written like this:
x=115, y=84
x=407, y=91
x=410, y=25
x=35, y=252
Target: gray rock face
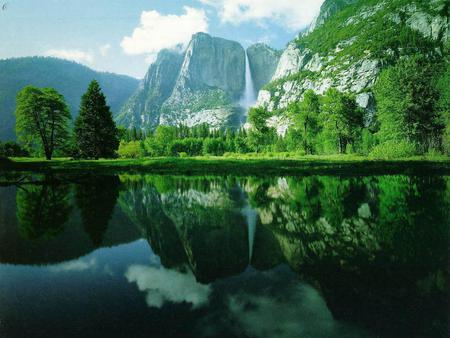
x=328, y=9
x=201, y=85
x=211, y=80
x=263, y=63
x=143, y=109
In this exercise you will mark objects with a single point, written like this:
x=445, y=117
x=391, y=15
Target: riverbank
x=229, y=165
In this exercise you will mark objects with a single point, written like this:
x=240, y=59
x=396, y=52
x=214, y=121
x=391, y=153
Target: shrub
x=394, y=149
x=213, y=146
x=12, y=149
x=132, y=149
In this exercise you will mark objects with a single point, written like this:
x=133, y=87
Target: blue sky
x=124, y=36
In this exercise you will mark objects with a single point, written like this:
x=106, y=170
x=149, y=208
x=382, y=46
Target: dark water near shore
x=143, y=255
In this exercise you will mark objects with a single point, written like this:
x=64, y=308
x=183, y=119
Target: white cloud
x=105, y=49
x=292, y=14
x=299, y=310
x=71, y=54
x=162, y=285
x=157, y=31
x=77, y=265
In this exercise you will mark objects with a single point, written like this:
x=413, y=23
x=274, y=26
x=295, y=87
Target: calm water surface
x=174, y=256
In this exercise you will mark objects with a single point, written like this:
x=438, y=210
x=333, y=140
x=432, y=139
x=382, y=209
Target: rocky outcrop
x=143, y=108
x=200, y=85
x=350, y=62
x=328, y=9
x=211, y=80
x=263, y=62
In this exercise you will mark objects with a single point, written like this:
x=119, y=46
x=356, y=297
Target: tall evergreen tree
x=96, y=133
x=42, y=118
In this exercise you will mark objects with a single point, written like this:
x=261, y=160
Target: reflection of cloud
x=297, y=311
x=162, y=285
x=78, y=265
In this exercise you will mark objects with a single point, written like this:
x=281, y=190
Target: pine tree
x=95, y=131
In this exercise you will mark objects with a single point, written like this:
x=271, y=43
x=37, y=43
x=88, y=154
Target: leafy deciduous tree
x=41, y=119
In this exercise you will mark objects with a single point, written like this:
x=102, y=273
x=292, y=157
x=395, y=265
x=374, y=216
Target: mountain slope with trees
x=390, y=57
x=68, y=78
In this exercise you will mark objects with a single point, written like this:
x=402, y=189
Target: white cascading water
x=249, y=97
x=251, y=217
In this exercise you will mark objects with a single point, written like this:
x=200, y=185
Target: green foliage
x=95, y=131
x=12, y=149
x=132, y=149
x=393, y=149
x=305, y=115
x=443, y=105
x=42, y=210
x=159, y=143
x=189, y=146
x=96, y=198
x=341, y=120
x=42, y=118
x=368, y=142
x=260, y=136
x=407, y=103
x=213, y=146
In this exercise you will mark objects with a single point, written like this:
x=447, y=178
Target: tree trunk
x=305, y=144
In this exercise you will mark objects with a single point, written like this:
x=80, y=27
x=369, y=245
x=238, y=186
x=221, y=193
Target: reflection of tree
x=42, y=209
x=96, y=197
x=374, y=245
x=413, y=217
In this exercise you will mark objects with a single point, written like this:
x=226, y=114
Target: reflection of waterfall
x=249, y=97
x=250, y=215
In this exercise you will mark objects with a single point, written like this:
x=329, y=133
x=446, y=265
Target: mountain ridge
x=69, y=78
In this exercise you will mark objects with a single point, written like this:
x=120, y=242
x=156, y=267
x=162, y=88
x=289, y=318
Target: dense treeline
x=412, y=118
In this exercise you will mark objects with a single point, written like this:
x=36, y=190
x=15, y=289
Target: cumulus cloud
x=292, y=14
x=157, y=31
x=162, y=285
x=71, y=54
x=105, y=49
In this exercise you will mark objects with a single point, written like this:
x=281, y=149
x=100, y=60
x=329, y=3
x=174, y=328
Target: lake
x=186, y=256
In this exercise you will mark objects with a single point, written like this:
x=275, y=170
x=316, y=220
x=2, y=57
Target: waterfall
x=249, y=97
x=251, y=216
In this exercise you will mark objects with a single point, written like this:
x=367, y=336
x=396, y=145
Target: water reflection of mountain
x=196, y=223
x=374, y=246
x=56, y=222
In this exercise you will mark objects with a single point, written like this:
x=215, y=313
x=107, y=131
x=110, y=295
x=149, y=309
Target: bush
x=12, y=149
x=213, y=146
x=393, y=150
x=132, y=149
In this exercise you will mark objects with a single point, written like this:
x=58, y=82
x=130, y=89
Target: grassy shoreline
x=233, y=165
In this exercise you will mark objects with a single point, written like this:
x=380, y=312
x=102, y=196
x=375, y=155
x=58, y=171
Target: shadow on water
x=316, y=256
